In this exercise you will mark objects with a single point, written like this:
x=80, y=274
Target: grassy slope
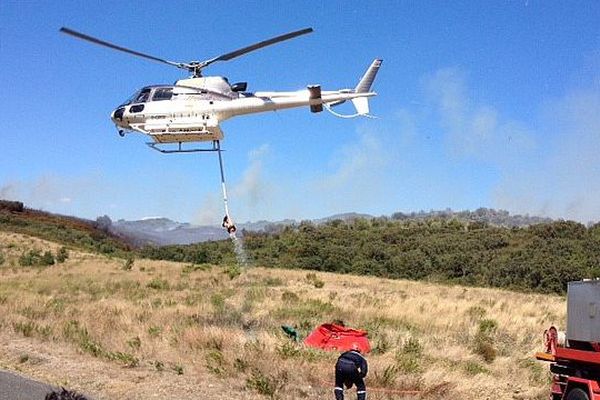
x=113, y=333
x=70, y=231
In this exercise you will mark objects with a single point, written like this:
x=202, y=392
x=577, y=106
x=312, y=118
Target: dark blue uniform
x=350, y=369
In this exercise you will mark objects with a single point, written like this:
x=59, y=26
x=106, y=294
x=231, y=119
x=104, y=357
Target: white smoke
x=211, y=210
x=53, y=192
x=475, y=130
x=246, y=197
x=565, y=180
x=357, y=176
x=253, y=188
x=550, y=170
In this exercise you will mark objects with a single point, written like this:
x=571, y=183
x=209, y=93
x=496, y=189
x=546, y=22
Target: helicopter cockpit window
x=162, y=94
x=143, y=96
x=131, y=98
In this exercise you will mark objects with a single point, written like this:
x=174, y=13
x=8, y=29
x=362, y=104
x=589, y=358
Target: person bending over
x=351, y=369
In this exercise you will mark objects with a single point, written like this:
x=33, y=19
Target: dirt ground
x=60, y=365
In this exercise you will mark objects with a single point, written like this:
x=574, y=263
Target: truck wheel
x=577, y=394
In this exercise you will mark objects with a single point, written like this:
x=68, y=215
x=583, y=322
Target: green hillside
x=542, y=257
x=70, y=231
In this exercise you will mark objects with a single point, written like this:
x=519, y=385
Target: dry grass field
x=163, y=330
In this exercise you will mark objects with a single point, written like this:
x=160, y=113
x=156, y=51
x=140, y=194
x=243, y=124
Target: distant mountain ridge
x=163, y=231
x=160, y=231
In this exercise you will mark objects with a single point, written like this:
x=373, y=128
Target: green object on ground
x=291, y=332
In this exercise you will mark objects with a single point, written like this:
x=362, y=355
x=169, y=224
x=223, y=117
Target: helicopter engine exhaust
x=315, y=94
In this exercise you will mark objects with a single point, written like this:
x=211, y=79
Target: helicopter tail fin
x=365, y=83
x=362, y=105
x=364, y=86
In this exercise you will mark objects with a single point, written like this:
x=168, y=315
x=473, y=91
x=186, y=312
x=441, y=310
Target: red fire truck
x=575, y=358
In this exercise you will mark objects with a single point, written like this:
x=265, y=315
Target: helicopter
x=192, y=109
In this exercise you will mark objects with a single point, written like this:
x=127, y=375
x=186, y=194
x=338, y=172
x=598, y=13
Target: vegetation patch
x=386, y=377
x=30, y=328
x=196, y=267
x=474, y=368
x=62, y=255
x=79, y=335
x=158, y=284
x=232, y=271
x=409, y=356
x=128, y=264
x=267, y=385
x=314, y=280
x=35, y=258
x=293, y=350
x=215, y=362
x=483, y=343
x=310, y=309
x=289, y=297
x=538, y=375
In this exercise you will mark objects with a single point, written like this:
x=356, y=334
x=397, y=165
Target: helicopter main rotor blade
x=256, y=46
x=120, y=48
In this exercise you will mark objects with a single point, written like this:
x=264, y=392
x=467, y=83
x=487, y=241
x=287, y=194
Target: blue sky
x=481, y=104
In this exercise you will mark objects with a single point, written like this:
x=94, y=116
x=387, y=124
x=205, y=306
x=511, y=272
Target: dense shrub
x=128, y=264
x=47, y=258
x=484, y=340
x=542, y=257
x=30, y=258
x=62, y=255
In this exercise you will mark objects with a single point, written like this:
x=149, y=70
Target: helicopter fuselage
x=192, y=109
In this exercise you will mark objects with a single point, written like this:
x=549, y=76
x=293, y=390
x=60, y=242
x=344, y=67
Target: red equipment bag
x=338, y=338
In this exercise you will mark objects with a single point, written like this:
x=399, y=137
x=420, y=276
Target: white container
x=583, y=311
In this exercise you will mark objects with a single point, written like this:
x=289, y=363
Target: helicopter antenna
x=194, y=67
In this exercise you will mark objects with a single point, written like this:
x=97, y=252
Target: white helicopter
x=192, y=109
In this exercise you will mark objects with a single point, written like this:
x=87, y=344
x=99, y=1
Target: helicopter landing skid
x=166, y=149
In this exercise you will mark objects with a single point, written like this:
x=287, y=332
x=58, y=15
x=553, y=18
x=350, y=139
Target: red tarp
x=336, y=337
